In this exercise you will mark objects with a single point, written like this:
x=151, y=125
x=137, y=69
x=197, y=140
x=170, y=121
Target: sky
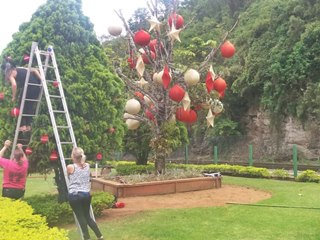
x=101, y=13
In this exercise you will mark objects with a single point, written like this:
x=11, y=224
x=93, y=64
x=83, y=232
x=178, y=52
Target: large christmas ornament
x=217, y=106
x=115, y=30
x=182, y=115
x=15, y=112
x=133, y=106
x=132, y=62
x=192, y=117
x=132, y=124
x=154, y=24
x=141, y=38
x=176, y=93
x=53, y=156
x=191, y=77
x=28, y=150
x=174, y=34
x=55, y=83
x=99, y=156
x=220, y=84
x=149, y=114
x=153, y=45
x=146, y=58
x=139, y=95
x=166, y=77
x=177, y=20
x=227, y=49
x=44, y=138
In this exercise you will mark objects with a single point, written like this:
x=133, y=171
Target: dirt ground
x=205, y=198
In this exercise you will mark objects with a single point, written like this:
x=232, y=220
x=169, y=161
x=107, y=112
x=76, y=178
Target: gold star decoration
x=174, y=34
x=154, y=24
x=140, y=66
x=142, y=82
x=210, y=119
x=186, y=102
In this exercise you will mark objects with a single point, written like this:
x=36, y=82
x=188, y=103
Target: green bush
x=308, y=176
x=61, y=213
x=280, y=174
x=126, y=168
x=18, y=221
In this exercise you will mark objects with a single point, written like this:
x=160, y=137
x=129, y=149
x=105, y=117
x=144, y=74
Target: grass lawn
x=297, y=219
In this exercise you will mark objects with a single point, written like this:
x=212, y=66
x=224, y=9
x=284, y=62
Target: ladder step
x=55, y=96
x=28, y=115
x=35, y=84
x=63, y=127
x=64, y=143
x=58, y=111
x=32, y=100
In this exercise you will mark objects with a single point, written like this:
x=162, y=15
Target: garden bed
x=156, y=187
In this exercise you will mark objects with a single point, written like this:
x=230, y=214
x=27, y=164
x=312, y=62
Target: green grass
x=298, y=219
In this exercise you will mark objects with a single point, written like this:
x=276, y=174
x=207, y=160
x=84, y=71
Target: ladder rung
x=31, y=100
x=62, y=126
x=66, y=143
x=58, y=111
x=47, y=66
x=55, y=96
x=28, y=115
x=35, y=84
x=67, y=158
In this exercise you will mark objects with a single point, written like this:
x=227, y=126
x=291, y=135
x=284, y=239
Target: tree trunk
x=160, y=163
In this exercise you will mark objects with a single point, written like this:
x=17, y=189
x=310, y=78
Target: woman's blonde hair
x=18, y=156
x=78, y=155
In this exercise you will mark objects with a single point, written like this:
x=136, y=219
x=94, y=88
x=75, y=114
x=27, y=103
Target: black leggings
x=14, y=193
x=80, y=204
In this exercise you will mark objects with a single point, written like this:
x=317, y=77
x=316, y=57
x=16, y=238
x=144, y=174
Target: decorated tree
x=164, y=93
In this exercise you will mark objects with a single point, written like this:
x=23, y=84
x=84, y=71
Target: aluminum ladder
x=58, y=110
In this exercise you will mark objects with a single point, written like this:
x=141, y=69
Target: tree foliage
x=93, y=91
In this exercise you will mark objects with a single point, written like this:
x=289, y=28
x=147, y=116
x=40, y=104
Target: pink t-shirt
x=14, y=175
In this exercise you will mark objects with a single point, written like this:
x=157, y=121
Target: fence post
x=250, y=155
x=215, y=155
x=186, y=156
x=295, y=160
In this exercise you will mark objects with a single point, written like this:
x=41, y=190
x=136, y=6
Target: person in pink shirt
x=15, y=172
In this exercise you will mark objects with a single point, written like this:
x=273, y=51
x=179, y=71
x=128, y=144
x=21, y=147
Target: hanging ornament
x=227, y=49
x=28, y=150
x=141, y=38
x=99, y=156
x=1, y=96
x=139, y=95
x=115, y=30
x=44, y=138
x=149, y=114
x=154, y=24
x=142, y=82
x=55, y=83
x=221, y=94
x=191, y=77
x=174, y=34
x=157, y=77
x=207, y=104
x=209, y=82
x=26, y=57
x=140, y=66
x=146, y=58
x=15, y=112
x=192, y=116
x=186, y=101
x=53, y=156
x=153, y=45
x=132, y=124
x=147, y=100
x=177, y=19
x=132, y=63
x=220, y=84
x=182, y=115
x=176, y=93
x=166, y=77
x=210, y=118
x=217, y=106
x=133, y=106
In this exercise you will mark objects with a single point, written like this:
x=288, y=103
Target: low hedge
x=18, y=221
x=61, y=213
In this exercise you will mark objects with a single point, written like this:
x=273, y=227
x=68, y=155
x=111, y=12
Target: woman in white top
x=79, y=193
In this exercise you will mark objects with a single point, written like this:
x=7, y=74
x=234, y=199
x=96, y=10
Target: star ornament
x=210, y=119
x=140, y=66
x=174, y=34
x=142, y=82
x=154, y=24
x=186, y=102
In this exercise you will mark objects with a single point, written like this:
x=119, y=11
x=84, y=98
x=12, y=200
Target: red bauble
x=176, y=93
x=132, y=63
x=26, y=58
x=28, y=150
x=227, y=49
x=141, y=38
x=1, y=96
x=139, y=95
x=44, y=138
x=55, y=83
x=220, y=84
x=146, y=59
x=166, y=78
x=53, y=156
x=149, y=114
x=15, y=112
x=182, y=115
x=178, y=19
x=99, y=156
x=119, y=205
x=192, y=117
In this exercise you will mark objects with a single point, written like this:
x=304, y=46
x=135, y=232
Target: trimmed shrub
x=17, y=221
x=308, y=176
x=280, y=174
x=61, y=213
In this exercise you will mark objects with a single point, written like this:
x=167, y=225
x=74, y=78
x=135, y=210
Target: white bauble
x=132, y=124
x=115, y=30
x=133, y=106
x=191, y=77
